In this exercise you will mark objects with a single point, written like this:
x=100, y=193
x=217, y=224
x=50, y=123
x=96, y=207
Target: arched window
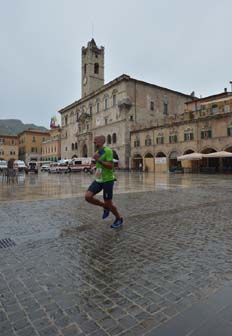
x=114, y=138
x=214, y=109
x=188, y=134
x=109, y=139
x=72, y=146
x=148, y=141
x=75, y=145
x=98, y=107
x=229, y=129
x=85, y=151
x=96, y=68
x=160, y=139
x=173, y=138
x=114, y=100
x=137, y=142
x=106, y=104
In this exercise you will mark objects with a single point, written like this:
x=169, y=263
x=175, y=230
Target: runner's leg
x=108, y=195
x=94, y=189
x=109, y=205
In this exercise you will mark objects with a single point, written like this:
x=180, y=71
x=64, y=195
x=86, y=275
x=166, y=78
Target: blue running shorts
x=107, y=187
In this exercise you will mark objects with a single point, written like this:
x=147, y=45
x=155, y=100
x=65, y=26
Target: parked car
x=32, y=167
x=53, y=168
x=3, y=165
x=19, y=165
x=45, y=167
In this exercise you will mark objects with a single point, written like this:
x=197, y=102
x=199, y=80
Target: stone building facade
x=9, y=147
x=205, y=127
x=30, y=144
x=51, y=150
x=112, y=109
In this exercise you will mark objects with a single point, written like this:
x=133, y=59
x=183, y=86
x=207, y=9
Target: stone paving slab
x=70, y=274
x=212, y=317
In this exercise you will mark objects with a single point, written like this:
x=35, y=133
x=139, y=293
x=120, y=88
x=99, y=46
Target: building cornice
x=165, y=89
x=182, y=122
x=212, y=98
x=115, y=81
x=8, y=136
x=34, y=132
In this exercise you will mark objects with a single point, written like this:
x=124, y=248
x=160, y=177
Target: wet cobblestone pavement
x=70, y=274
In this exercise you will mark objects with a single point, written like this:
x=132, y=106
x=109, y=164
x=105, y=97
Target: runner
x=104, y=181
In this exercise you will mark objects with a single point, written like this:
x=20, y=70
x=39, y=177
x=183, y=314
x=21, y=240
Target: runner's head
x=99, y=141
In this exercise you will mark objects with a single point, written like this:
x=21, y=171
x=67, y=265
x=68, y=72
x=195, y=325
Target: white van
x=81, y=164
x=58, y=167
x=32, y=167
x=3, y=165
x=19, y=165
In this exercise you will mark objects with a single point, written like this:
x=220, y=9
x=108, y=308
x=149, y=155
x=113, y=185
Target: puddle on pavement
x=58, y=186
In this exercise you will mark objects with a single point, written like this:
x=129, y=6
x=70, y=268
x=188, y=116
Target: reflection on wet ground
x=71, y=274
x=46, y=186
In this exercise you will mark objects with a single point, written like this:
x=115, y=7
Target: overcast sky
x=180, y=44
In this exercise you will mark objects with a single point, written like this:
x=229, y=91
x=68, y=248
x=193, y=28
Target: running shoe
x=106, y=213
x=117, y=223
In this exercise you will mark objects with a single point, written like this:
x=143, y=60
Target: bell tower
x=92, y=68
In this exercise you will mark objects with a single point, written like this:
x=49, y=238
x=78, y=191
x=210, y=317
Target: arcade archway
x=227, y=162
x=149, y=164
x=137, y=162
x=209, y=165
x=190, y=166
x=160, y=154
x=173, y=163
x=161, y=164
x=188, y=151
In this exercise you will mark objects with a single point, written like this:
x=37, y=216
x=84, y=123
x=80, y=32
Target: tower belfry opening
x=92, y=68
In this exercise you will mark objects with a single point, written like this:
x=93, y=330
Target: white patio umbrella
x=191, y=156
x=220, y=154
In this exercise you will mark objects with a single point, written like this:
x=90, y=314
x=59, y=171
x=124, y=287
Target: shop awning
x=221, y=154
x=191, y=156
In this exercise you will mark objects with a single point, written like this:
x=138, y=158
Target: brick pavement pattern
x=70, y=274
